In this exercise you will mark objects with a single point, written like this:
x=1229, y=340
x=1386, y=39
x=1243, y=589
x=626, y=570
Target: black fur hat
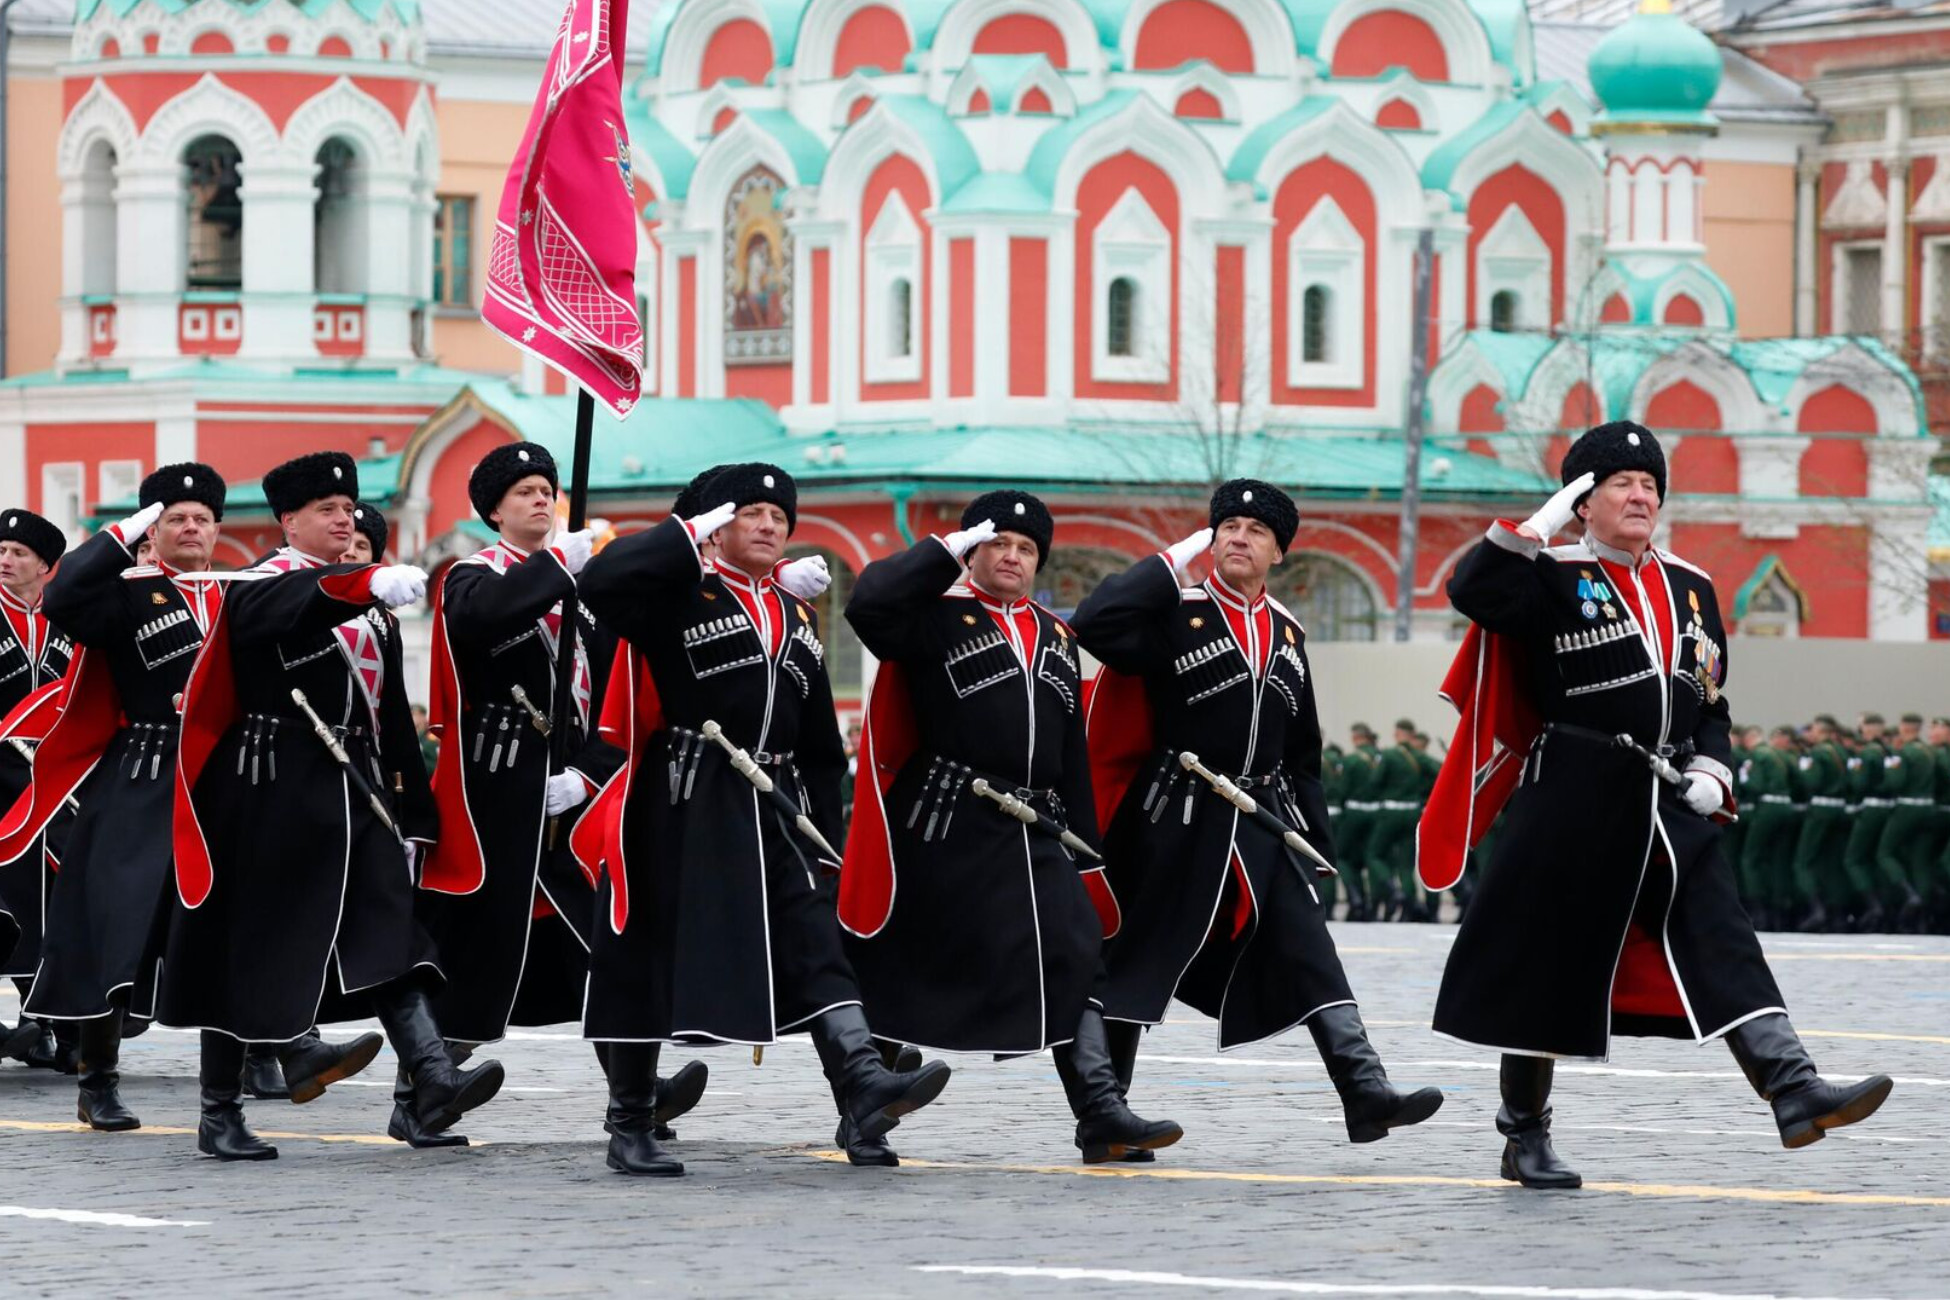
x=35, y=533
x=690, y=502
x=504, y=467
x=1249, y=498
x=1015, y=512
x=1609, y=448
x=367, y=519
x=189, y=481
x=746, y=484
x=297, y=483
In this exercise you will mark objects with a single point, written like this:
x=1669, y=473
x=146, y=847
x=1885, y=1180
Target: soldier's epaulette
x=1668, y=557
x=1194, y=593
x=142, y=571
x=1570, y=551
x=1289, y=613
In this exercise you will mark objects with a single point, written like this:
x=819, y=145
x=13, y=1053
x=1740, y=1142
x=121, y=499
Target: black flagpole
x=565, y=654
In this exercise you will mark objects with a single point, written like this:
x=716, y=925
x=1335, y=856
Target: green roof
x=1001, y=74
x=1441, y=166
x=1655, y=68
x=674, y=162
x=807, y=151
x=1251, y=154
x=949, y=152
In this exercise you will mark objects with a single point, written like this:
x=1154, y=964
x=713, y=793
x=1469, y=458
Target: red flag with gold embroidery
x=562, y=269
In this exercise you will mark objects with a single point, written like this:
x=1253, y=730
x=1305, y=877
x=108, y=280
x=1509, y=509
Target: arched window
x=1503, y=311
x=1327, y=595
x=1120, y=315
x=1074, y=573
x=1316, y=334
x=845, y=662
x=900, y=318
x=98, y=237
x=216, y=214
x=338, y=246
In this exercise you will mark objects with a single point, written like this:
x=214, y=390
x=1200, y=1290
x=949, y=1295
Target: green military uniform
x=1333, y=784
x=1939, y=892
x=1427, y=768
x=1824, y=829
x=1733, y=836
x=1359, y=771
x=1391, y=849
x=1903, y=865
x=1867, y=782
x=1767, y=853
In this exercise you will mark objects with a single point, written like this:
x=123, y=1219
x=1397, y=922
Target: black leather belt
x=1675, y=754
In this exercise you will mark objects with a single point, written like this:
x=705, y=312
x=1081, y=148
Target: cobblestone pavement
x=1688, y=1191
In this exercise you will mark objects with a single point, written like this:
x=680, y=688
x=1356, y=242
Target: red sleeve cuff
x=354, y=588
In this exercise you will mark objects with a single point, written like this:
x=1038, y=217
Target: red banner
x=562, y=271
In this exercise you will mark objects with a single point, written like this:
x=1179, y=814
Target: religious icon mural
x=757, y=273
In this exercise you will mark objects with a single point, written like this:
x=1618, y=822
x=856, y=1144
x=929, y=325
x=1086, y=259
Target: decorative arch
x=1145, y=128
x=1707, y=294
x=1342, y=134
x=856, y=96
x=1407, y=91
x=1202, y=78
x=711, y=110
x=98, y=115
x=954, y=39
x=1855, y=368
x=1462, y=370
x=208, y=108
x=344, y=111
x=1465, y=45
x=1332, y=597
x=832, y=29
x=1058, y=99
x=1713, y=373
x=691, y=33
x=734, y=151
x=1239, y=37
x=860, y=151
x=1562, y=166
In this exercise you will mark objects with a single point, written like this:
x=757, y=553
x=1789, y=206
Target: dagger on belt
x=352, y=774
x=1028, y=816
x=1228, y=789
x=26, y=751
x=747, y=766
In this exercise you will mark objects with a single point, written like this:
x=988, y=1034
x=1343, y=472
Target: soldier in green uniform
x=1427, y=768
x=1767, y=853
x=1333, y=784
x=1868, y=788
x=1733, y=836
x=1359, y=771
x=1825, y=828
x=1939, y=897
x=1903, y=864
x=1391, y=847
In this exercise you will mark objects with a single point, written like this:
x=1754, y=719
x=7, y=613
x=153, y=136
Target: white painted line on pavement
x=374, y=1083
x=1134, y=1276
x=97, y=1218
x=1563, y=1067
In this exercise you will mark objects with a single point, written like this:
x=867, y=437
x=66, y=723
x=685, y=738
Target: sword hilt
x=535, y=716
x=743, y=762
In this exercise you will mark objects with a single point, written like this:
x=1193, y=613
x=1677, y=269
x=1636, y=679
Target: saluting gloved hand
x=1703, y=794
x=565, y=791
x=1558, y=511
x=708, y=523
x=961, y=543
x=1181, y=554
x=130, y=530
x=806, y=578
x=575, y=549
x=394, y=585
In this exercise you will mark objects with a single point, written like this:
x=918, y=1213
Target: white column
x=150, y=210
x=390, y=265
x=1807, y=220
x=1895, y=251
x=279, y=254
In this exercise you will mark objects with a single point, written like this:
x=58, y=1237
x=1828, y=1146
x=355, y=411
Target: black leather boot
x=679, y=1095
x=633, y=1148
x=1805, y=1106
x=873, y=1097
x=263, y=1074
x=441, y=1093
x=404, y=1126
x=99, y=1105
x=1106, y=1127
x=872, y=1153
x=220, y=1130
x=45, y=1049
x=310, y=1064
x=1123, y=1036
x=1525, y=1120
x=1372, y=1104
x=17, y=1041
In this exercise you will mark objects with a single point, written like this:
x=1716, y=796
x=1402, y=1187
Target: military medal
x=157, y=598
x=1197, y=622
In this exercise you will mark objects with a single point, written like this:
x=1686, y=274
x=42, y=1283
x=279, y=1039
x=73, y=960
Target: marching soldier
x=1903, y=859
x=1428, y=769
x=712, y=925
x=34, y=654
x=974, y=931
x=1940, y=834
x=1767, y=850
x=1391, y=844
x=1869, y=790
x=1206, y=704
x=1360, y=774
x=301, y=809
x=1620, y=654
x=1333, y=787
x=1733, y=836
x=1823, y=839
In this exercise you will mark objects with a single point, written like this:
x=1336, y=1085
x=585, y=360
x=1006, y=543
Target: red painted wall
x=1804, y=61
x=1389, y=38
x=447, y=483
x=1683, y=309
x=1096, y=195
x=1837, y=462
x=1179, y=31
x=961, y=318
x=739, y=48
x=815, y=317
x=1304, y=187
x=1541, y=206
x=1705, y=461
x=1229, y=311
x=1022, y=34
x=899, y=174
x=90, y=445
x=1831, y=564
x=1028, y=317
x=873, y=37
x=1199, y=103
x=1398, y=115
x=687, y=327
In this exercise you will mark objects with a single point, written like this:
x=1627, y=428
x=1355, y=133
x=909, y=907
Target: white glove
x=1557, y=512
x=394, y=585
x=806, y=578
x=565, y=791
x=1703, y=794
x=412, y=848
x=961, y=543
x=705, y=525
x=1181, y=554
x=576, y=549
x=130, y=530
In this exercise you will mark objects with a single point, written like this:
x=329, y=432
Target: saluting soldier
x=973, y=931
x=1615, y=638
x=1819, y=848
x=34, y=654
x=299, y=825
x=1903, y=859
x=712, y=925
x=1217, y=910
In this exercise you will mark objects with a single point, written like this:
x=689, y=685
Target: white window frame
x=116, y=479
x=1936, y=263
x=64, y=494
x=893, y=253
x=1132, y=243
x=1789, y=624
x=1514, y=256
x=1841, y=291
x=1325, y=249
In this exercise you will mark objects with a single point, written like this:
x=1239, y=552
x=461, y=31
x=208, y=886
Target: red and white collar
x=15, y=603
x=995, y=603
x=1227, y=595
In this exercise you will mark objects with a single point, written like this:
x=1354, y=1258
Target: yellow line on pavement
x=1874, y=1037
x=1690, y=1191
x=40, y=1126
